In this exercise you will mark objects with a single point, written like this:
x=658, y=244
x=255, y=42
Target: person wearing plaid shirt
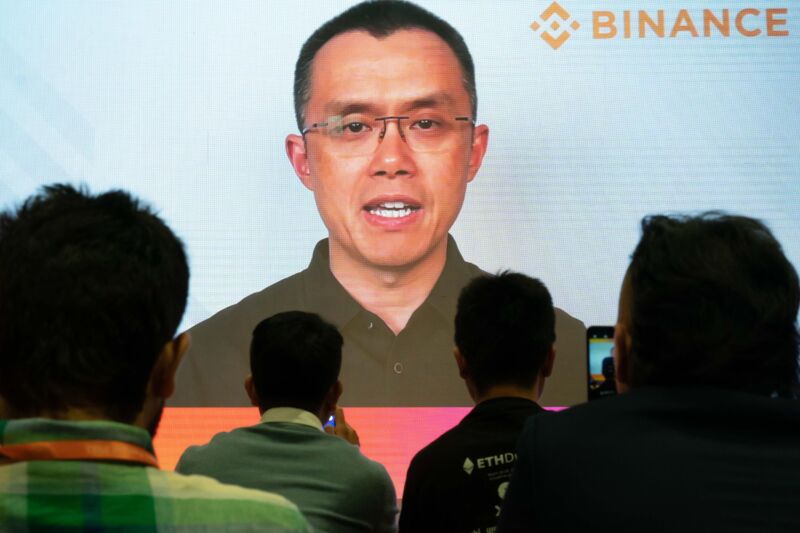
x=92, y=289
x=97, y=474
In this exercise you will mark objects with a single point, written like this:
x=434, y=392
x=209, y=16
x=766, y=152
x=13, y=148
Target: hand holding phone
x=341, y=428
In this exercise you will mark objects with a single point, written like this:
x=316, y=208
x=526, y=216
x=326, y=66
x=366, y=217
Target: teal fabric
x=336, y=487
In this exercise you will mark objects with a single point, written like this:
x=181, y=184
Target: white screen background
x=187, y=104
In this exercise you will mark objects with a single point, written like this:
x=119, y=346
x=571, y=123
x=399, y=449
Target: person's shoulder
x=288, y=294
x=439, y=451
x=282, y=295
x=343, y=449
x=220, y=444
x=590, y=409
x=482, y=430
x=563, y=319
x=594, y=418
x=206, y=501
x=349, y=457
x=567, y=322
x=473, y=271
x=233, y=325
x=456, y=262
x=286, y=289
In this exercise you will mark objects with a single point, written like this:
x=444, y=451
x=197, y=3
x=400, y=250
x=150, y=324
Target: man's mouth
x=394, y=209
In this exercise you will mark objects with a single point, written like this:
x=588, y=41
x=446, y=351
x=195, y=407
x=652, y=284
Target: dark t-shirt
x=457, y=483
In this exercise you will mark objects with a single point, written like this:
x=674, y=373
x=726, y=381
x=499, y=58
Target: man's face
x=394, y=206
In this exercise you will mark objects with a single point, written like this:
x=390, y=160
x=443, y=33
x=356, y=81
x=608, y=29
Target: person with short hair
x=504, y=335
x=388, y=141
x=92, y=289
x=295, y=359
x=705, y=435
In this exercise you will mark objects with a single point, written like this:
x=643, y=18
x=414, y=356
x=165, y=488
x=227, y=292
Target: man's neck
x=69, y=414
x=392, y=293
x=81, y=414
x=510, y=391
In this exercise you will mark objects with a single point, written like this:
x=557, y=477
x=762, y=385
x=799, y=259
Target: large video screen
x=599, y=113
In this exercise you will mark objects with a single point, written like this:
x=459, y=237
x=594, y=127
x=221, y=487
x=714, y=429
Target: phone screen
x=600, y=352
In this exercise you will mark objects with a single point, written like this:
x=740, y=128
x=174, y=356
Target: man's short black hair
x=91, y=289
x=295, y=358
x=379, y=18
x=713, y=300
x=505, y=326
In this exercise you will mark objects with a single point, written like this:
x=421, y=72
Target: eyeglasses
x=355, y=135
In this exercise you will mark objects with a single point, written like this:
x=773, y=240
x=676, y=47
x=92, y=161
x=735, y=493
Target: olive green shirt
x=414, y=368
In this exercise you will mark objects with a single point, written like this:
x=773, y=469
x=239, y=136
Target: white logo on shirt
x=469, y=466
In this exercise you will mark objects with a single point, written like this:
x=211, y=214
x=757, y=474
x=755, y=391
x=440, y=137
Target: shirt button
x=398, y=368
x=369, y=326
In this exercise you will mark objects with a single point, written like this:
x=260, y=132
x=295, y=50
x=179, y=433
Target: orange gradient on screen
x=389, y=435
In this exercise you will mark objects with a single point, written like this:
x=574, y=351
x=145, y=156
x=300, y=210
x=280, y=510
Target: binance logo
x=555, y=32
x=555, y=22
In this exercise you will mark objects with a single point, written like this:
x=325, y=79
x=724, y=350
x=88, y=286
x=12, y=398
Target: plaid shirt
x=98, y=475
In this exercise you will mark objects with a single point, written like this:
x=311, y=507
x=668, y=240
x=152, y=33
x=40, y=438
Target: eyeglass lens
x=356, y=135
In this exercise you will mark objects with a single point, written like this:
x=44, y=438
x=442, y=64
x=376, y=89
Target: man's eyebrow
x=346, y=108
x=440, y=99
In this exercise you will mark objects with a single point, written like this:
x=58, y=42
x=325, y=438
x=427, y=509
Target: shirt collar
x=455, y=275
x=325, y=293
x=337, y=306
x=507, y=405
x=44, y=438
x=291, y=415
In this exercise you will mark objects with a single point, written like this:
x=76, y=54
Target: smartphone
x=600, y=363
x=331, y=422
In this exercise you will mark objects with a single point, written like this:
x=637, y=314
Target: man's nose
x=392, y=157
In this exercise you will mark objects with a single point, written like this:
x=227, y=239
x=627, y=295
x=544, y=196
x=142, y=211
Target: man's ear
x=331, y=400
x=549, y=361
x=162, y=377
x=335, y=393
x=465, y=372
x=298, y=157
x=622, y=356
x=480, y=142
x=463, y=367
x=250, y=389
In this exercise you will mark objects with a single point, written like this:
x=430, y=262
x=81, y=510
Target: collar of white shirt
x=291, y=415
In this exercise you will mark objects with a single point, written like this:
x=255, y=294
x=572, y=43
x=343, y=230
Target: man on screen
x=386, y=105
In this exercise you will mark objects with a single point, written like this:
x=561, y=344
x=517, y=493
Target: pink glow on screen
x=389, y=435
